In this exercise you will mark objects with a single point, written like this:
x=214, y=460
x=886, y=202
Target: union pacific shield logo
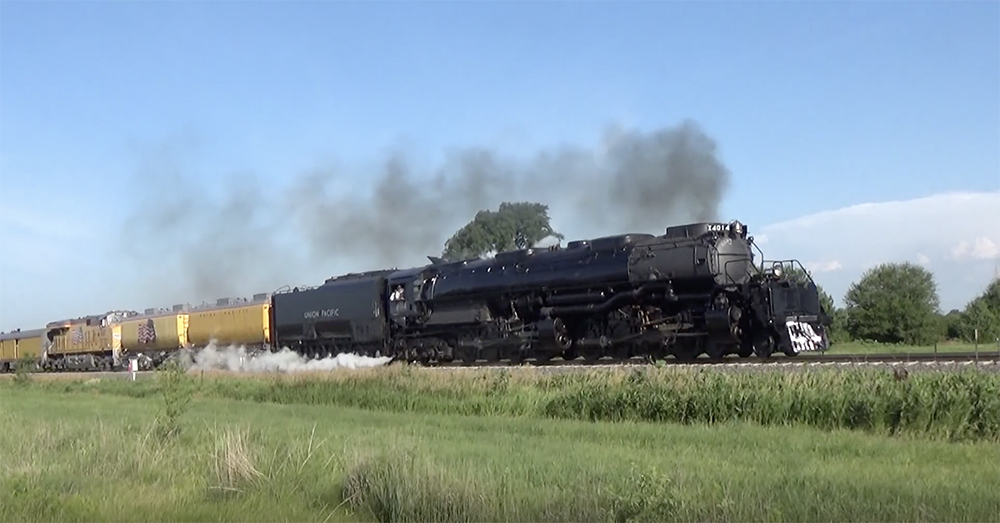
x=147, y=333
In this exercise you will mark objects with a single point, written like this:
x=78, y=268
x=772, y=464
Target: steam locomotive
x=694, y=290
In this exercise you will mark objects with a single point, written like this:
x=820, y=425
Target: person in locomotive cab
x=398, y=298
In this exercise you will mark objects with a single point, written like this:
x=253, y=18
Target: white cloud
x=981, y=248
x=954, y=235
x=825, y=266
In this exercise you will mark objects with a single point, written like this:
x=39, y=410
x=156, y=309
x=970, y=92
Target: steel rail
x=705, y=361
x=778, y=360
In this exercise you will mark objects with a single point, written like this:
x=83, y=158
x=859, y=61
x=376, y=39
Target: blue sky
x=815, y=108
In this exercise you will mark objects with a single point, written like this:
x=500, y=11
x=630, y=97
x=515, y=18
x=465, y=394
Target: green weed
x=177, y=389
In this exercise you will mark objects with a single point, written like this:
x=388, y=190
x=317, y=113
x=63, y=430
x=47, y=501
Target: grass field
x=307, y=449
x=953, y=406
x=857, y=347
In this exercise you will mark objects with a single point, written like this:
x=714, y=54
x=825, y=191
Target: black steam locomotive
x=694, y=290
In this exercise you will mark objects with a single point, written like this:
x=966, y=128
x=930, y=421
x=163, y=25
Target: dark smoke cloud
x=251, y=239
x=191, y=245
x=633, y=181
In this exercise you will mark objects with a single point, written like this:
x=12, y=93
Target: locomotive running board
x=804, y=337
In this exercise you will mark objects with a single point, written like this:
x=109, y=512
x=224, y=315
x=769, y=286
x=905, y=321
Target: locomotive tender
x=693, y=290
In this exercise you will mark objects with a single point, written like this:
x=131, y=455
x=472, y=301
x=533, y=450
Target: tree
x=513, y=226
x=951, y=324
x=894, y=303
x=983, y=313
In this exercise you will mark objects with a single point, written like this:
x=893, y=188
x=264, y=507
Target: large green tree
x=983, y=314
x=513, y=226
x=894, y=303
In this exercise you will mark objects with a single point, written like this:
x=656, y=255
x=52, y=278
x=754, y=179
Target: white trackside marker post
x=133, y=366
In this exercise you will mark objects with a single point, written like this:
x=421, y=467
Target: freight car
x=232, y=321
x=18, y=345
x=694, y=290
x=345, y=314
x=150, y=337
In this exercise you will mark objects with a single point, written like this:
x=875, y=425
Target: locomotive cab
x=406, y=289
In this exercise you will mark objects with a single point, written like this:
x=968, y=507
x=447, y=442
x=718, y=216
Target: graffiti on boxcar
x=147, y=332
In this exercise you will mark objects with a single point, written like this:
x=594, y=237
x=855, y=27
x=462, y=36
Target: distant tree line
x=890, y=303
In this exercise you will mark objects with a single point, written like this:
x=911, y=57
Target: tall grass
x=106, y=470
x=398, y=484
x=98, y=457
x=953, y=406
x=942, y=405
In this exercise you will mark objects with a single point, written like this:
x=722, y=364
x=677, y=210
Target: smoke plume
x=255, y=240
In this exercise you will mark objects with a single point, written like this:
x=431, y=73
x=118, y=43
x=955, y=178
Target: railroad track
x=952, y=359
x=801, y=359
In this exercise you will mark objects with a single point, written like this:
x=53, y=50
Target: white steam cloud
x=236, y=359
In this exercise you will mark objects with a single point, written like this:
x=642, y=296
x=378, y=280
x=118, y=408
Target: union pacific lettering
x=325, y=313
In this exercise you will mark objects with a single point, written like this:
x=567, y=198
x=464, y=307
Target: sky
x=153, y=153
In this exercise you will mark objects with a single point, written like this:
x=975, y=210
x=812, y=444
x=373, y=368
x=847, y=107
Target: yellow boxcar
x=14, y=345
x=232, y=322
x=161, y=329
x=33, y=345
x=8, y=347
